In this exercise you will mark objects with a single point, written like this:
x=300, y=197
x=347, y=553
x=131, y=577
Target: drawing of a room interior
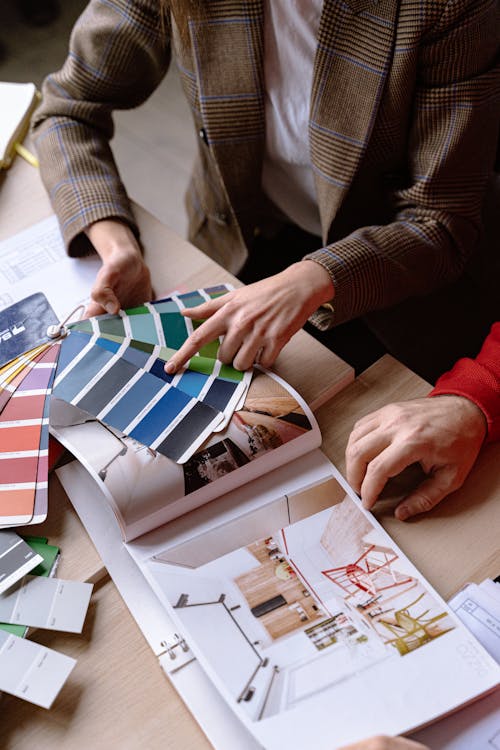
x=302, y=609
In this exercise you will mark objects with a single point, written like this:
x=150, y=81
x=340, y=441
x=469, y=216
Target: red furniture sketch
x=371, y=573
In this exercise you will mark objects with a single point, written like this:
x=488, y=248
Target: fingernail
x=170, y=368
x=110, y=308
x=402, y=514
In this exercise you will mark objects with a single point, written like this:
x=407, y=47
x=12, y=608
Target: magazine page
x=146, y=489
x=322, y=632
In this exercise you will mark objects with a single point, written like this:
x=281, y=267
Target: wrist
x=473, y=418
x=315, y=279
x=112, y=238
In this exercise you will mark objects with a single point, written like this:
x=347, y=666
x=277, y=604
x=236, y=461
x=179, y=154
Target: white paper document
x=50, y=603
x=35, y=259
x=30, y=671
x=476, y=727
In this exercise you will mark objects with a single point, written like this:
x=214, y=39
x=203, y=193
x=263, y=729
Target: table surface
x=117, y=696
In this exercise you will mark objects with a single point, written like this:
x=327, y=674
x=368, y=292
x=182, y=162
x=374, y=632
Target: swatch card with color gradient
x=16, y=559
x=27, y=366
x=24, y=436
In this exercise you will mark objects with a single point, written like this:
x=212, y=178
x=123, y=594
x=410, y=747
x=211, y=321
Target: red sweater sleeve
x=479, y=381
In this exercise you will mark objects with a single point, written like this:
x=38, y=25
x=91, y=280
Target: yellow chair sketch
x=412, y=631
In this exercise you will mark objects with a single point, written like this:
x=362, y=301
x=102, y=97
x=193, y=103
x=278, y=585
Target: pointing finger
x=209, y=331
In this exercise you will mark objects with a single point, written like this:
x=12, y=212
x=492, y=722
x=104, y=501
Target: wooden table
x=117, y=697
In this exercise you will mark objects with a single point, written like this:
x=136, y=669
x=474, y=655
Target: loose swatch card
x=50, y=603
x=30, y=671
x=16, y=559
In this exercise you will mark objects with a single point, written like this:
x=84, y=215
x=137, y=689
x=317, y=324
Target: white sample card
x=16, y=559
x=50, y=603
x=30, y=671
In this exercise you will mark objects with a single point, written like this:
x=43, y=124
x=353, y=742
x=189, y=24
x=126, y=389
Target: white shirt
x=290, y=41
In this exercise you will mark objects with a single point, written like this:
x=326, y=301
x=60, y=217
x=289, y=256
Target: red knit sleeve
x=479, y=381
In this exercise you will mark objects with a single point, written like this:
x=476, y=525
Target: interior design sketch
x=303, y=609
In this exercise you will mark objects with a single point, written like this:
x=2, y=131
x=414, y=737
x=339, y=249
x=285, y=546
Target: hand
x=124, y=279
x=385, y=743
x=443, y=433
x=257, y=320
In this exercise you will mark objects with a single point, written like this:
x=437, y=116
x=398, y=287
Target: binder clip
x=170, y=648
x=59, y=331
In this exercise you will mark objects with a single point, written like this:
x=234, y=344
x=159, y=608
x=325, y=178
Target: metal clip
x=60, y=331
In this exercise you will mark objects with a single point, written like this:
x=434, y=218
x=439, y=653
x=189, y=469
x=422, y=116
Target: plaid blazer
x=402, y=132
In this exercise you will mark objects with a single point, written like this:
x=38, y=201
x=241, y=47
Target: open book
x=285, y=615
x=145, y=489
x=17, y=102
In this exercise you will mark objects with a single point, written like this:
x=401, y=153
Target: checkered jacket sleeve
x=117, y=57
x=451, y=148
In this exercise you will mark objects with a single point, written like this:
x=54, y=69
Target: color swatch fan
x=109, y=368
x=112, y=367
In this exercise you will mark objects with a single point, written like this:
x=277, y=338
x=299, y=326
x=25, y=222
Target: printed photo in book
x=321, y=632
x=145, y=489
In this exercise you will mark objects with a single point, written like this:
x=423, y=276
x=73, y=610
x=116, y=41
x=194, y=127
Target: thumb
x=93, y=309
x=106, y=298
x=426, y=496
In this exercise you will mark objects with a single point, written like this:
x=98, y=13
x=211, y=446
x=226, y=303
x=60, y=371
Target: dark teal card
x=24, y=325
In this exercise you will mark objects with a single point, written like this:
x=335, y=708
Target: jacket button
x=221, y=218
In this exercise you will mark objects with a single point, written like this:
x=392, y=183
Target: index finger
x=387, y=464
x=205, y=309
x=208, y=331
